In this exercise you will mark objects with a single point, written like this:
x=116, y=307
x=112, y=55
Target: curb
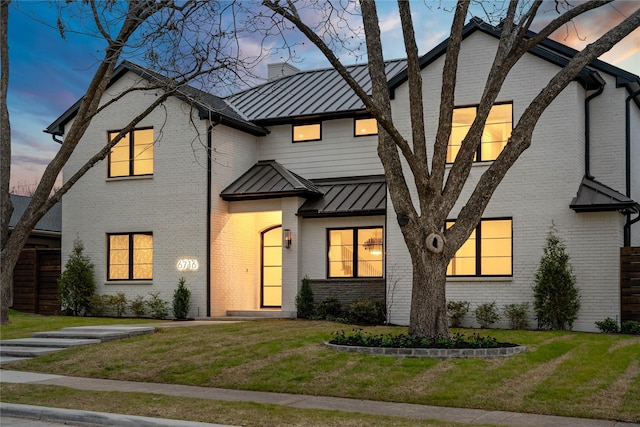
x=89, y=418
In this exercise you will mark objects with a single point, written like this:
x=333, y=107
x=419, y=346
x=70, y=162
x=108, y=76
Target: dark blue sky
x=48, y=73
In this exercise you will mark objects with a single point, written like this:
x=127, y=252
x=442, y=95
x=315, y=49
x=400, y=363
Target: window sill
x=128, y=282
x=129, y=178
x=493, y=279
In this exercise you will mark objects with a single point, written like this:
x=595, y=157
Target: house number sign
x=187, y=264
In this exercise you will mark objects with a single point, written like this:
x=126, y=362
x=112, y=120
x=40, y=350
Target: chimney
x=281, y=69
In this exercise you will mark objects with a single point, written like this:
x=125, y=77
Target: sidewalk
x=412, y=411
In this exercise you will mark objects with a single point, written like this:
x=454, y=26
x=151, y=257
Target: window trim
x=478, y=249
x=479, y=150
x=131, y=153
x=355, y=252
x=355, y=127
x=130, y=277
x=293, y=131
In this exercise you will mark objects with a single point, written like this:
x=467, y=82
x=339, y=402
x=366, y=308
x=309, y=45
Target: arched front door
x=272, y=267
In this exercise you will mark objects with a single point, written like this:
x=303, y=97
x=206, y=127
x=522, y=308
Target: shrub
x=158, y=308
x=76, y=284
x=516, y=315
x=366, y=312
x=556, y=297
x=608, y=326
x=119, y=303
x=630, y=327
x=487, y=314
x=181, y=300
x=304, y=300
x=137, y=306
x=329, y=308
x=99, y=304
x=456, y=311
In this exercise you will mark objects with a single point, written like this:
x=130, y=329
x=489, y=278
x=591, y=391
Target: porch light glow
x=286, y=236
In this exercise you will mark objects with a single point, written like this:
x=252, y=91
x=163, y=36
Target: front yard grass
x=562, y=373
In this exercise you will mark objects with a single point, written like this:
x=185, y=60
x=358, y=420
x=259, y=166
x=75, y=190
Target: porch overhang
x=593, y=196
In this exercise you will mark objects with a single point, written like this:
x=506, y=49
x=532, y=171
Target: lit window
x=360, y=259
x=130, y=256
x=132, y=155
x=497, y=131
x=487, y=252
x=310, y=132
x=365, y=127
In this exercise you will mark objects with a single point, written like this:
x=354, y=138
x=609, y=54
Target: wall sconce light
x=287, y=238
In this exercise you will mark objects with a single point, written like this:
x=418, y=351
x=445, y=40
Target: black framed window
x=307, y=132
x=487, y=252
x=355, y=252
x=365, y=127
x=497, y=131
x=132, y=155
x=130, y=256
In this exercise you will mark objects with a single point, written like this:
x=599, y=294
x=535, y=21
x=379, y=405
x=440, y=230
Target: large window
x=355, y=252
x=307, y=132
x=132, y=155
x=130, y=256
x=487, y=252
x=364, y=127
x=497, y=131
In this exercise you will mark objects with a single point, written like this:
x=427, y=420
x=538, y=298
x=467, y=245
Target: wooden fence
x=35, y=281
x=630, y=283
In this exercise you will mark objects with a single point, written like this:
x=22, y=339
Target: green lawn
x=562, y=373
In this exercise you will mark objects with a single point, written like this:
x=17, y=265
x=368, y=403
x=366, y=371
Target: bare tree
x=438, y=188
x=185, y=41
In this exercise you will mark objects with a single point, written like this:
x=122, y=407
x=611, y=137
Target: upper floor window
x=308, y=132
x=130, y=256
x=355, y=252
x=497, y=131
x=132, y=155
x=487, y=252
x=363, y=127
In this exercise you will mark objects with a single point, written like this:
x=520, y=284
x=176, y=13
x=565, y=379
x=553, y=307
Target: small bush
x=137, y=306
x=76, y=284
x=366, y=312
x=181, y=300
x=119, y=303
x=365, y=339
x=456, y=311
x=608, y=326
x=516, y=315
x=630, y=327
x=158, y=308
x=304, y=300
x=329, y=308
x=487, y=314
x=99, y=304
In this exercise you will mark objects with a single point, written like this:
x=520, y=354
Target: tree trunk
x=428, y=316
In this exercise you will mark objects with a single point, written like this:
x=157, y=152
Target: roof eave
x=272, y=195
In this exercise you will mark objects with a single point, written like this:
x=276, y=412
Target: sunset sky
x=48, y=74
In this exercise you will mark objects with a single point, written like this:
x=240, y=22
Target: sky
x=48, y=73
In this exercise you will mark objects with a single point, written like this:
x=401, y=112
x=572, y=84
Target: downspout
x=209, y=185
x=627, y=149
x=587, y=125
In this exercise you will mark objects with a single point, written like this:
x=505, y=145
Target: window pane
x=366, y=127
x=464, y=261
x=272, y=256
x=272, y=296
x=370, y=250
x=119, y=156
x=461, y=122
x=118, y=257
x=272, y=237
x=496, y=247
x=496, y=132
x=143, y=152
x=341, y=253
x=142, y=256
x=306, y=132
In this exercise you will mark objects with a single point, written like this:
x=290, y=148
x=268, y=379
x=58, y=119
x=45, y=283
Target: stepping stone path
x=48, y=342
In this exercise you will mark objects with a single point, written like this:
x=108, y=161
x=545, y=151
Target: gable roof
x=593, y=196
x=268, y=179
x=549, y=50
x=50, y=222
x=208, y=105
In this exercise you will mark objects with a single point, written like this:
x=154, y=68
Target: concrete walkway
x=412, y=411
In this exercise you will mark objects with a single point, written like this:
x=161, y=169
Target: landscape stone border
x=435, y=353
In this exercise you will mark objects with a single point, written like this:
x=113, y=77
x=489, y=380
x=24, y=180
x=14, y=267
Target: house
x=245, y=196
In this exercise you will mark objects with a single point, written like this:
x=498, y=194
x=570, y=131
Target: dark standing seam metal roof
x=51, y=221
x=593, y=196
x=268, y=179
x=356, y=196
x=307, y=94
